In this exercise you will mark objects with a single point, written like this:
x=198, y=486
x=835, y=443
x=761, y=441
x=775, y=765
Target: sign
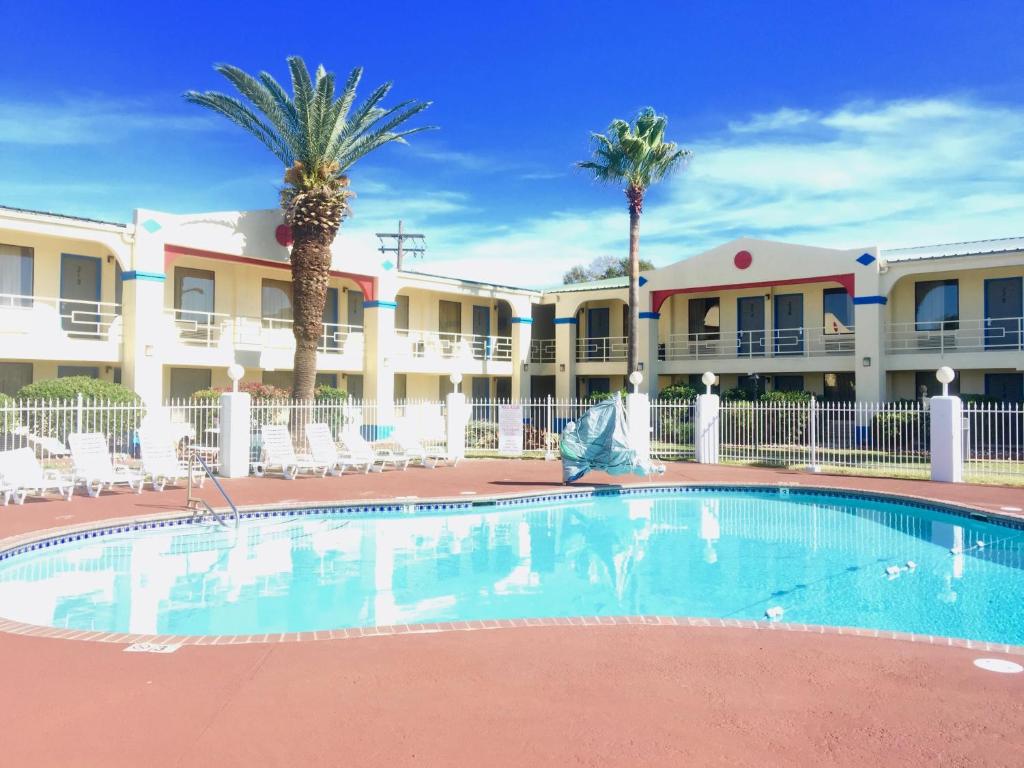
x=510, y=429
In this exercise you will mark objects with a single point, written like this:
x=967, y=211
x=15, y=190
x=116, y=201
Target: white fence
x=543, y=422
x=994, y=442
x=672, y=430
x=44, y=426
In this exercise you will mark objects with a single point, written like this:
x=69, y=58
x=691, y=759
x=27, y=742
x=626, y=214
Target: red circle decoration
x=283, y=235
x=742, y=259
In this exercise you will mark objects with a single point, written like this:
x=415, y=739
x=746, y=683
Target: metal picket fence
x=672, y=429
x=994, y=442
x=543, y=420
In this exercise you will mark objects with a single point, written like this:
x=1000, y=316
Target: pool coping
x=44, y=538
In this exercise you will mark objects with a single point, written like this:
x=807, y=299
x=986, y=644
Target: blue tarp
x=599, y=440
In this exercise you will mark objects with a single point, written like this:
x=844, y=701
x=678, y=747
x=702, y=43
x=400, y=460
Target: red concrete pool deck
x=562, y=694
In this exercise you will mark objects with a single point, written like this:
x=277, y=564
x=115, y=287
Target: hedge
x=70, y=387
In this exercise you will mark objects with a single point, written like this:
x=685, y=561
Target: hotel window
x=194, y=300
x=187, y=381
x=15, y=276
x=118, y=287
x=449, y=317
x=788, y=383
x=937, y=305
x=838, y=314
x=276, y=301
x=89, y=371
x=840, y=387
x=402, y=312
x=14, y=376
x=926, y=385
x=326, y=380
x=1008, y=387
x=753, y=385
x=705, y=319
x=401, y=386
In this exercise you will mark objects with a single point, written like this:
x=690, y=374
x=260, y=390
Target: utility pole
x=416, y=247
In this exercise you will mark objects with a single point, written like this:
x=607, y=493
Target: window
x=354, y=385
x=14, y=376
x=753, y=385
x=401, y=386
x=64, y=371
x=504, y=319
x=449, y=317
x=185, y=382
x=1008, y=387
x=840, y=386
x=598, y=385
x=705, y=319
x=276, y=301
x=15, y=276
x=326, y=380
x=838, y=312
x=503, y=388
x=788, y=383
x=118, y=287
x=937, y=305
x=926, y=385
x=402, y=313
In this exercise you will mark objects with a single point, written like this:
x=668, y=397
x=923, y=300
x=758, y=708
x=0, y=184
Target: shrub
x=9, y=417
x=327, y=392
x=118, y=423
x=70, y=387
x=678, y=392
x=737, y=394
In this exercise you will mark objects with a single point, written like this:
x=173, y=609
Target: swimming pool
x=711, y=552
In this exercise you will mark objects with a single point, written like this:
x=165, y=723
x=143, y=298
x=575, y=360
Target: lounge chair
x=21, y=475
x=278, y=451
x=413, y=448
x=323, y=448
x=358, y=450
x=160, y=462
x=94, y=467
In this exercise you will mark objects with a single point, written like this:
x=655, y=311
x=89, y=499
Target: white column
x=235, y=414
x=142, y=310
x=706, y=429
x=378, y=368
x=947, y=444
x=565, y=358
x=638, y=418
x=455, y=425
x=522, y=328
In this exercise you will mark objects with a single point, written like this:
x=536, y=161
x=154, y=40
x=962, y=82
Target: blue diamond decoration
x=387, y=265
x=643, y=280
x=152, y=225
x=865, y=258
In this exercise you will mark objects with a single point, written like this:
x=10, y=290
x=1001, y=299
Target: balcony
x=51, y=328
x=451, y=346
x=542, y=350
x=951, y=336
x=222, y=334
x=601, y=349
x=778, y=342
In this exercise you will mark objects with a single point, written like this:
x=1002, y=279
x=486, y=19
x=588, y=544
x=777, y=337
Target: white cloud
x=892, y=173
x=87, y=121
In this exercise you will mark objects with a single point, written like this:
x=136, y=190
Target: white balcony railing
x=947, y=336
x=542, y=350
x=601, y=349
x=214, y=329
x=778, y=342
x=418, y=345
x=70, y=318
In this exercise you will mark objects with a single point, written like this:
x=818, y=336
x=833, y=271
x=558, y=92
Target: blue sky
x=827, y=123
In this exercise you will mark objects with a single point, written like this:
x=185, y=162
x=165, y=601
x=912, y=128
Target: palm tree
x=318, y=137
x=636, y=155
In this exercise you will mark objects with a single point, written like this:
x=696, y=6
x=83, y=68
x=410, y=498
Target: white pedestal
x=235, y=413
x=706, y=429
x=638, y=419
x=947, y=444
x=455, y=425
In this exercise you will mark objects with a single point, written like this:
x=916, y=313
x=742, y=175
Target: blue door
x=750, y=326
x=598, y=330
x=1004, y=306
x=789, y=324
x=481, y=332
x=80, y=295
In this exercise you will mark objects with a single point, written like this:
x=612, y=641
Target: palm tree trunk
x=635, y=196
x=311, y=262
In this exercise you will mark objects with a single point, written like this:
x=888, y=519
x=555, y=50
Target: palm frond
x=241, y=115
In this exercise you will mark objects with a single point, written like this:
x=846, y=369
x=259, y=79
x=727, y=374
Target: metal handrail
x=198, y=505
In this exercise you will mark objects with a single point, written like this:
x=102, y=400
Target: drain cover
x=999, y=665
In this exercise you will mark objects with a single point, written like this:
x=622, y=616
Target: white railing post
x=455, y=425
x=812, y=425
x=235, y=436
x=78, y=413
x=549, y=427
x=706, y=429
x=947, y=446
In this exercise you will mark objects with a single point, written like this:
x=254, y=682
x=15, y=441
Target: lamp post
x=945, y=375
x=235, y=373
x=635, y=378
x=709, y=380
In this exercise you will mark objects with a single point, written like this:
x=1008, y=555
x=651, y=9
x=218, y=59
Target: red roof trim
x=660, y=297
x=367, y=284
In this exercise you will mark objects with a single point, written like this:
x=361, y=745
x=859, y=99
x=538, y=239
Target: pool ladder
x=200, y=508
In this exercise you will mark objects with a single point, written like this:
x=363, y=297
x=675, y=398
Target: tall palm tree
x=636, y=155
x=318, y=137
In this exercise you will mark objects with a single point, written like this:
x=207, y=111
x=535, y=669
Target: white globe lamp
x=635, y=378
x=235, y=373
x=945, y=375
x=709, y=379
x=455, y=379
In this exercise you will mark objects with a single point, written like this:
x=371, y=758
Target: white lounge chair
x=357, y=449
x=94, y=467
x=160, y=462
x=323, y=448
x=278, y=451
x=413, y=448
x=21, y=475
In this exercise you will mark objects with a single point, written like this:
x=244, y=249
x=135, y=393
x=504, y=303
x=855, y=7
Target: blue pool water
x=708, y=553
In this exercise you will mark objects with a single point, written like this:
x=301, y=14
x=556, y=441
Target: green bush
x=775, y=396
x=10, y=419
x=678, y=392
x=911, y=428
x=117, y=423
x=70, y=387
x=327, y=392
x=737, y=394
